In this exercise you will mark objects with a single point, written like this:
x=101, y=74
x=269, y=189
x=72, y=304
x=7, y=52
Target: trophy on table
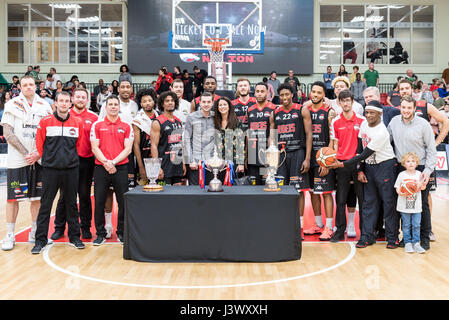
x=152, y=168
x=215, y=165
x=272, y=155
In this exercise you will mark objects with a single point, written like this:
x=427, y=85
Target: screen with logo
x=287, y=43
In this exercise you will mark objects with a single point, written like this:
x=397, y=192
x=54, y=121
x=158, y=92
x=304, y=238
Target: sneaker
x=313, y=230
x=326, y=235
x=418, y=249
x=432, y=237
x=58, y=234
x=9, y=242
x=32, y=237
x=338, y=236
x=425, y=244
x=99, y=241
x=109, y=229
x=350, y=231
x=401, y=244
x=86, y=234
x=409, y=248
x=363, y=244
x=77, y=243
x=120, y=238
x=37, y=249
x=393, y=245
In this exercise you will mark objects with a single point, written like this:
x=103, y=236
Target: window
x=65, y=33
x=384, y=34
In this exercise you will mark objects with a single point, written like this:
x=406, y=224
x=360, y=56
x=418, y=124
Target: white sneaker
x=409, y=248
x=31, y=237
x=109, y=229
x=350, y=231
x=418, y=249
x=9, y=242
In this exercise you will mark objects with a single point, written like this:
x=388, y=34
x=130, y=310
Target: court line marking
x=49, y=262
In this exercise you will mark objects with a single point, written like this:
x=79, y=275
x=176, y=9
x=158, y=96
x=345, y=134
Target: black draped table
x=188, y=224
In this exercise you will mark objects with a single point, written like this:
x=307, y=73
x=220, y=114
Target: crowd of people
x=63, y=144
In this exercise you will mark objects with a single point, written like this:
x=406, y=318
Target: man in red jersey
x=112, y=142
x=243, y=102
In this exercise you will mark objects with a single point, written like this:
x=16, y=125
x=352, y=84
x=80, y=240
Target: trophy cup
x=272, y=155
x=215, y=165
x=152, y=168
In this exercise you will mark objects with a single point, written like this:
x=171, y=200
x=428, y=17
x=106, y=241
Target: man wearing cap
x=379, y=169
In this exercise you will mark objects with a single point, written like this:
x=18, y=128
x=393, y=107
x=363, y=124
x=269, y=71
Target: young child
x=410, y=206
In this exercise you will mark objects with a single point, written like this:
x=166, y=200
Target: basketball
x=326, y=156
x=409, y=187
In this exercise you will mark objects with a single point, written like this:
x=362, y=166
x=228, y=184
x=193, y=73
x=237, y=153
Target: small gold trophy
x=152, y=168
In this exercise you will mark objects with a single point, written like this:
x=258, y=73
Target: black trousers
x=426, y=223
x=103, y=180
x=344, y=176
x=194, y=176
x=330, y=93
x=86, y=172
x=53, y=180
x=380, y=191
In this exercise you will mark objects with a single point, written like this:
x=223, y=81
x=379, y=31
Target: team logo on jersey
x=252, y=115
x=356, y=127
x=121, y=131
x=294, y=116
x=278, y=118
x=418, y=113
x=88, y=122
x=321, y=117
x=72, y=132
x=267, y=114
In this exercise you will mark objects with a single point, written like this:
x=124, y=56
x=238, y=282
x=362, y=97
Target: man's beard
x=318, y=102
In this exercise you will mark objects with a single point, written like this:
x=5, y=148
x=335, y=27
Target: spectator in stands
x=59, y=88
x=435, y=84
x=188, y=85
x=29, y=69
x=349, y=51
x=98, y=89
x=413, y=78
x=70, y=84
x=271, y=92
x=372, y=48
x=46, y=95
x=355, y=71
x=394, y=98
x=35, y=74
x=105, y=93
x=292, y=77
x=426, y=93
x=48, y=84
x=124, y=74
x=164, y=81
x=438, y=102
x=357, y=88
x=177, y=73
x=275, y=83
x=115, y=85
x=342, y=72
x=328, y=77
x=443, y=90
x=55, y=78
x=371, y=76
x=299, y=97
x=198, y=80
x=15, y=87
x=445, y=76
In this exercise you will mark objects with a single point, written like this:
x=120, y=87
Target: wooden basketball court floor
x=325, y=271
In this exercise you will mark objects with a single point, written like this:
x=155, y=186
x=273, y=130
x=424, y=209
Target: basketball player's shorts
x=322, y=185
x=289, y=173
x=433, y=181
x=24, y=183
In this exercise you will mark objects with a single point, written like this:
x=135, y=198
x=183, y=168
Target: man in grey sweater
x=357, y=88
x=411, y=133
x=275, y=83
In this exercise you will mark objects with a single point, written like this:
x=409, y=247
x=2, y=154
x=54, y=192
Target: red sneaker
x=313, y=230
x=326, y=235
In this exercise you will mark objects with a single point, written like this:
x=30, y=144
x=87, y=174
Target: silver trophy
x=272, y=155
x=152, y=168
x=215, y=165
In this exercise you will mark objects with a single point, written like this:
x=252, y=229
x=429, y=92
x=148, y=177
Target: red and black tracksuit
x=86, y=172
x=57, y=141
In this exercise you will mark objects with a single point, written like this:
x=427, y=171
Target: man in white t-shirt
x=380, y=173
x=24, y=174
x=177, y=87
x=127, y=113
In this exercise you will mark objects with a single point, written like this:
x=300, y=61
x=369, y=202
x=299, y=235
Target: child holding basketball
x=408, y=186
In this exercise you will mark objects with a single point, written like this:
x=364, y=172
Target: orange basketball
x=409, y=187
x=326, y=156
